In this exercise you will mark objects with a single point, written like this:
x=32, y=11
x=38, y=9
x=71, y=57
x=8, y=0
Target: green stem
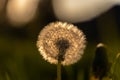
x=113, y=67
x=7, y=76
x=59, y=70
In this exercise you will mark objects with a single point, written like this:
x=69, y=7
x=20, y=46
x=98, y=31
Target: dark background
x=19, y=56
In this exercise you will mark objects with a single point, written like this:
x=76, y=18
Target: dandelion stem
x=59, y=70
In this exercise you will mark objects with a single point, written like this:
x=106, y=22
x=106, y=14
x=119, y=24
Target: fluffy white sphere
x=68, y=36
x=21, y=11
x=81, y=10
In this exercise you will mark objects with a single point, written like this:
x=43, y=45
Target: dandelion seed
x=61, y=41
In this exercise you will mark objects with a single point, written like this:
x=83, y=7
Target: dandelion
x=20, y=12
x=76, y=11
x=61, y=41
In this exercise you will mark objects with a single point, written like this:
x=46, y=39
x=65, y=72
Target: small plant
x=102, y=68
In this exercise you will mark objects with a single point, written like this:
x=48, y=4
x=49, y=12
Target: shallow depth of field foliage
x=20, y=59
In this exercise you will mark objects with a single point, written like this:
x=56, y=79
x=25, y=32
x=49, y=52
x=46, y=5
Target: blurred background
x=20, y=24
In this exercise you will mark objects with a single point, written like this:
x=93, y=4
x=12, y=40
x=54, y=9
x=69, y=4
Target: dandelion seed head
x=61, y=36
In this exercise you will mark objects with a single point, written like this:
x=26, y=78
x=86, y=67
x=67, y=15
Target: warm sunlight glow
x=2, y=4
x=81, y=10
x=21, y=11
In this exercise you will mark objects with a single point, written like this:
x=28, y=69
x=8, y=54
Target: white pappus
x=81, y=10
